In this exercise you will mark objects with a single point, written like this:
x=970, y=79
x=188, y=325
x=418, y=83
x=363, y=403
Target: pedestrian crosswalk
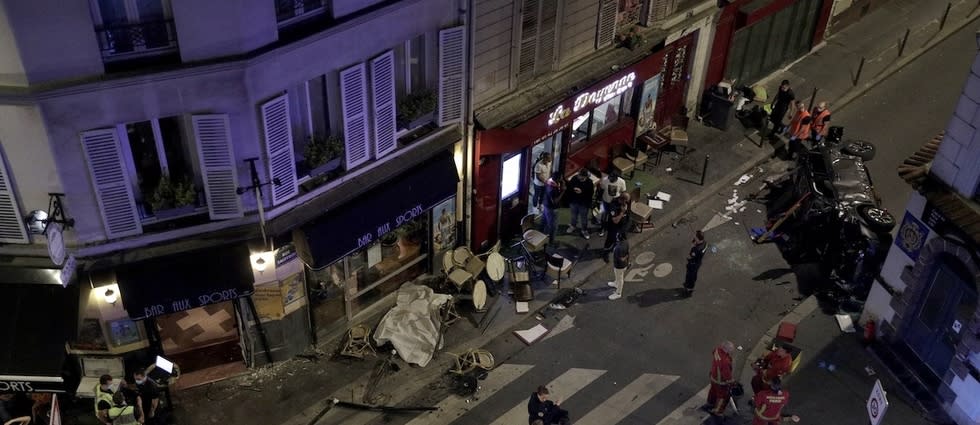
x=505, y=380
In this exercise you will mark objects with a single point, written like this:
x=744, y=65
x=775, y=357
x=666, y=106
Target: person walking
x=694, y=258
x=542, y=169
x=544, y=411
x=121, y=413
x=621, y=262
x=769, y=404
x=721, y=378
x=580, y=191
x=552, y=199
x=821, y=121
x=610, y=187
x=781, y=104
x=615, y=225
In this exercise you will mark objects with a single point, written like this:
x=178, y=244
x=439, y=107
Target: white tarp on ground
x=412, y=325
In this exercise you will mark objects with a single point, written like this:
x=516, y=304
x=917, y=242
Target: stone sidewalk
x=298, y=391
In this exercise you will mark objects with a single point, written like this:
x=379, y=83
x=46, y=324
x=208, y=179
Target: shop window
x=580, y=128
x=163, y=164
x=605, y=116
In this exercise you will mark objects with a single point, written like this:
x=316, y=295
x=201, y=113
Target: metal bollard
x=704, y=169
x=901, y=44
x=942, y=22
x=860, y=68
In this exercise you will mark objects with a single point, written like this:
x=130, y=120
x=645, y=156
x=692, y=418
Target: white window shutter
x=279, y=147
x=452, y=75
x=383, y=100
x=217, y=160
x=112, y=190
x=529, y=40
x=606, y=33
x=12, y=228
x=353, y=102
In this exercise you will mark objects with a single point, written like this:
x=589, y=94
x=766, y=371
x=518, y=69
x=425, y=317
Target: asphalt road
x=907, y=110
x=653, y=346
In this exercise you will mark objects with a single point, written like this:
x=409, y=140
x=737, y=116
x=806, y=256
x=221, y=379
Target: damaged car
x=838, y=226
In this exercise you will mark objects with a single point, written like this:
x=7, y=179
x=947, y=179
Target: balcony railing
x=289, y=11
x=125, y=41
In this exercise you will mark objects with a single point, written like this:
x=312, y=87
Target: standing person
x=539, y=408
x=615, y=226
x=103, y=398
x=775, y=365
x=821, y=122
x=552, y=199
x=769, y=404
x=121, y=413
x=611, y=186
x=580, y=191
x=799, y=128
x=148, y=397
x=781, y=103
x=721, y=378
x=621, y=262
x=542, y=169
x=694, y=258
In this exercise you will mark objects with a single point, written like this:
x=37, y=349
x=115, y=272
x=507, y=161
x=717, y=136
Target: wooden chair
x=556, y=272
x=470, y=360
x=677, y=132
x=23, y=420
x=655, y=143
x=456, y=275
x=358, y=342
x=640, y=211
x=626, y=159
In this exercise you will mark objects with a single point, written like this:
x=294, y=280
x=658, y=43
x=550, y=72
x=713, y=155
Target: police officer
x=120, y=413
x=694, y=258
x=769, y=404
x=103, y=399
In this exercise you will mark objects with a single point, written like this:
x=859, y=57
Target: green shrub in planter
x=319, y=150
x=171, y=194
x=414, y=106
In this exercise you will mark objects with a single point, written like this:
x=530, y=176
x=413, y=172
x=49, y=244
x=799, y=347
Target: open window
x=160, y=156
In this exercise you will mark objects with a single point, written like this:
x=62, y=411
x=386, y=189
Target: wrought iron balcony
x=288, y=11
x=125, y=41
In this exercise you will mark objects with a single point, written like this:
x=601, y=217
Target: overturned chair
x=470, y=360
x=358, y=343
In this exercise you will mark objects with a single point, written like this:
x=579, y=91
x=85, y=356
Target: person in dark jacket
x=539, y=408
x=616, y=222
x=781, y=103
x=621, y=261
x=552, y=199
x=694, y=258
x=580, y=191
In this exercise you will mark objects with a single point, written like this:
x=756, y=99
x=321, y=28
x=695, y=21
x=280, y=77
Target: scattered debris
x=529, y=336
x=869, y=371
x=742, y=180
x=845, y=322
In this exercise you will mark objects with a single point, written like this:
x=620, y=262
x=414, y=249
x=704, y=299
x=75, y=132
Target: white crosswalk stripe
x=453, y=406
x=688, y=413
x=561, y=388
x=628, y=399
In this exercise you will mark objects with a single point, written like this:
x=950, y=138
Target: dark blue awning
x=358, y=223
x=184, y=281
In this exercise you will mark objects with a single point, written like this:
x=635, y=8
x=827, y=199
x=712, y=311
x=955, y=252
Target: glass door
x=946, y=308
x=552, y=146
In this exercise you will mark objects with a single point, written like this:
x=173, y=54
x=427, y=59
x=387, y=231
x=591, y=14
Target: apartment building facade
x=229, y=179
x=924, y=303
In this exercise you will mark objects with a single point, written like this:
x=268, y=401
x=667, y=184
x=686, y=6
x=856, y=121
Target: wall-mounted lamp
x=38, y=220
x=263, y=260
x=110, y=296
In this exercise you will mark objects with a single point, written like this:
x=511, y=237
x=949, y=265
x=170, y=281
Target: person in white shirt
x=610, y=187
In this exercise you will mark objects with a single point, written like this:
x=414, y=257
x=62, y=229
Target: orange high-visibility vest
x=799, y=125
x=819, y=123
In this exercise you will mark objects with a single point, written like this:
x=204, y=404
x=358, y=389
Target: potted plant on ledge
x=630, y=38
x=416, y=109
x=323, y=155
x=173, y=198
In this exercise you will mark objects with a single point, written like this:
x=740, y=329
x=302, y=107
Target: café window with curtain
x=357, y=281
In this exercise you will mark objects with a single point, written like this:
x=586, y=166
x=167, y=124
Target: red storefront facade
x=763, y=34
x=584, y=130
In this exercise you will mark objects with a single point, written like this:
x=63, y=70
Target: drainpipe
x=469, y=136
